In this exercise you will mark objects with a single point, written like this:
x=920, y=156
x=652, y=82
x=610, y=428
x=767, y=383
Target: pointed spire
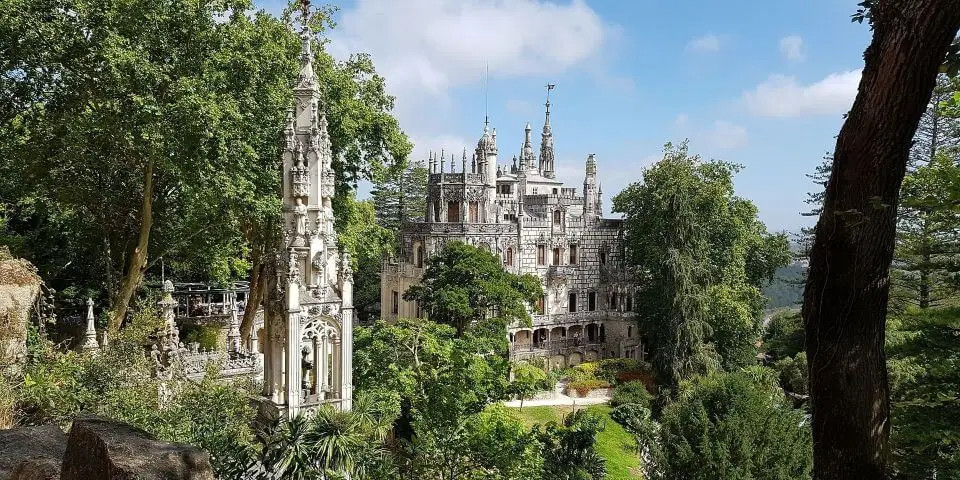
x=233, y=335
x=90, y=337
x=546, y=141
x=526, y=153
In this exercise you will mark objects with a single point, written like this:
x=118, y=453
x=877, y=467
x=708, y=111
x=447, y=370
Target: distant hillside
x=786, y=290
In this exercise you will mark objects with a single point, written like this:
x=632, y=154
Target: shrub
x=634, y=418
x=631, y=392
x=583, y=387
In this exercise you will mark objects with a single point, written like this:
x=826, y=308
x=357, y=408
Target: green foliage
x=631, y=392
x=636, y=419
x=368, y=243
x=401, y=196
x=689, y=234
x=923, y=358
x=783, y=337
x=569, y=451
x=732, y=426
x=528, y=379
x=208, y=337
x=463, y=285
x=117, y=383
x=793, y=374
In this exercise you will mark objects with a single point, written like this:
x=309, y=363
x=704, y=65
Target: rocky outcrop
x=97, y=449
x=19, y=287
x=28, y=452
x=103, y=449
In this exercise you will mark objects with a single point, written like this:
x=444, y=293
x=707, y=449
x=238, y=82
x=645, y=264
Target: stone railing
x=569, y=318
x=196, y=363
x=555, y=346
x=461, y=228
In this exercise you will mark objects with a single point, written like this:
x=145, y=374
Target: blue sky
x=762, y=84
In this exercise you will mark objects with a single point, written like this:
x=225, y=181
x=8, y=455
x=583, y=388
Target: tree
x=569, y=451
x=401, y=196
x=464, y=285
x=845, y=299
x=924, y=362
x=528, y=379
x=927, y=250
x=702, y=256
x=368, y=243
x=135, y=124
x=820, y=176
x=734, y=425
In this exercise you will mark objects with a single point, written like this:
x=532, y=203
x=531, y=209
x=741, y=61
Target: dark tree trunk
x=845, y=301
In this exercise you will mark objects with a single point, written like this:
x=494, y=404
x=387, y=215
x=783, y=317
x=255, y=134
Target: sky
x=761, y=84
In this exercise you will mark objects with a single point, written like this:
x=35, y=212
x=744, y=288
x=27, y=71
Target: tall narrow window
x=541, y=255
x=629, y=303
x=436, y=211
x=592, y=301
x=510, y=257
x=419, y=256
x=474, y=212
x=573, y=254
x=396, y=302
x=453, y=211
x=613, y=301
x=629, y=332
x=603, y=258
x=541, y=304
x=556, y=217
x=572, y=302
x=556, y=256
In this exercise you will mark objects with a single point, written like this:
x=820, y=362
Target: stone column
x=322, y=366
x=90, y=337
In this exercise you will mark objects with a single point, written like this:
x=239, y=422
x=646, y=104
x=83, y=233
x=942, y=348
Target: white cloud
x=706, y=44
x=432, y=45
x=724, y=135
x=792, y=48
x=782, y=96
x=681, y=120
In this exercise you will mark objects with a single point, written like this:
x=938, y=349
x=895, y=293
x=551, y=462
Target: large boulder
x=19, y=287
x=31, y=452
x=101, y=449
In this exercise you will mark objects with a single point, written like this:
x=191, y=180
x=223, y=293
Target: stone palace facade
x=534, y=224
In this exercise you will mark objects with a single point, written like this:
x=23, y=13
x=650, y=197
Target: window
x=396, y=302
x=453, y=211
x=629, y=332
x=556, y=217
x=603, y=258
x=592, y=301
x=554, y=191
x=573, y=254
x=613, y=301
x=572, y=302
x=541, y=304
x=541, y=255
x=436, y=211
x=419, y=255
x=534, y=190
x=509, y=260
x=474, y=212
x=629, y=303
x=419, y=310
x=556, y=256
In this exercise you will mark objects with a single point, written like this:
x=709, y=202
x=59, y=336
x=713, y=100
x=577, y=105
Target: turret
x=547, y=168
x=590, y=192
x=526, y=152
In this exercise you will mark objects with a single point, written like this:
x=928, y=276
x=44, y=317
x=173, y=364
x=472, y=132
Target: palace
x=534, y=224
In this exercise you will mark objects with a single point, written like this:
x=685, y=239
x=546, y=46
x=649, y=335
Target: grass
x=614, y=444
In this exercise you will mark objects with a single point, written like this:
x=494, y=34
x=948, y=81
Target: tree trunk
x=254, y=297
x=845, y=300
x=138, y=259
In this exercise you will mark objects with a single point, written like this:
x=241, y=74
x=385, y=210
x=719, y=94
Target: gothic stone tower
x=308, y=342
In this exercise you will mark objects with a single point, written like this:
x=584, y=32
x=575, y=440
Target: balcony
x=555, y=346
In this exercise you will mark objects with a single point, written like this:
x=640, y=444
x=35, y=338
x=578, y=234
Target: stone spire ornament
x=90, y=337
x=233, y=335
x=546, y=141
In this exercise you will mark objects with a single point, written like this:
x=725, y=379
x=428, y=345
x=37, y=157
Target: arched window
x=556, y=217
x=509, y=257
x=419, y=255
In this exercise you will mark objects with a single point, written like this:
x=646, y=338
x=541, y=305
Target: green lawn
x=613, y=443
